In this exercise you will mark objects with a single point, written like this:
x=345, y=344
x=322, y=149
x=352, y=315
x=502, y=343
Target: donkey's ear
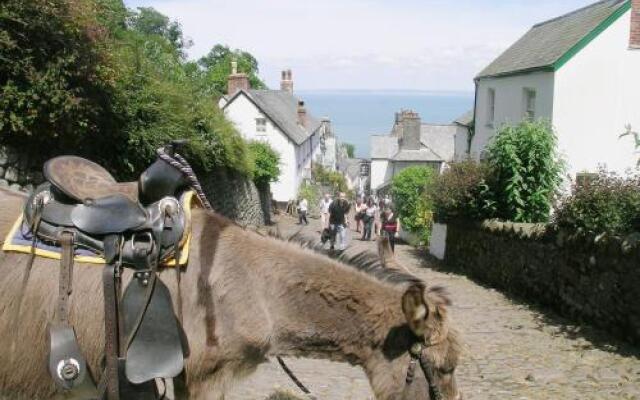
x=416, y=310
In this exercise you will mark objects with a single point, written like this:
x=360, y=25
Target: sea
x=357, y=114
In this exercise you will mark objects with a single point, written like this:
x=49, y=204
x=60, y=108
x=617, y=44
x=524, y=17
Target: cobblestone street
x=514, y=351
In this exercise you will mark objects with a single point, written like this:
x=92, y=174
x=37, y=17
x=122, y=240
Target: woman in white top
x=368, y=218
x=324, y=211
x=303, y=206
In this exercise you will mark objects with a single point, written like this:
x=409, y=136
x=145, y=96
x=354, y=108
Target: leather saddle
x=134, y=225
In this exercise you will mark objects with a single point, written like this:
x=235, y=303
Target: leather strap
x=110, y=332
x=66, y=276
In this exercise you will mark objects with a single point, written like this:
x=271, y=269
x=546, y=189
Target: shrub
x=412, y=204
x=334, y=179
x=461, y=192
x=606, y=204
x=266, y=163
x=525, y=171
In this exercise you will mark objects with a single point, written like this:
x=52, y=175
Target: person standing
x=303, y=207
x=338, y=211
x=368, y=218
x=359, y=213
x=390, y=225
x=324, y=211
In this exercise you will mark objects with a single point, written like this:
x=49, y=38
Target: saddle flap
x=111, y=214
x=156, y=351
x=67, y=366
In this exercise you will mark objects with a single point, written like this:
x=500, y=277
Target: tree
x=148, y=21
x=266, y=163
x=526, y=171
x=217, y=67
x=636, y=138
x=350, y=149
x=412, y=205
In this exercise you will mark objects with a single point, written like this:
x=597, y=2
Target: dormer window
x=261, y=124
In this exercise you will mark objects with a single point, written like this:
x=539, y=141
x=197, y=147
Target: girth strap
x=111, y=332
x=65, y=284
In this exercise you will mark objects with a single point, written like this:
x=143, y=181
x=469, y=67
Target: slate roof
x=440, y=139
x=383, y=146
x=547, y=42
x=438, y=144
x=282, y=109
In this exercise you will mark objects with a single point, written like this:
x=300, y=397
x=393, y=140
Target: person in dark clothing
x=389, y=223
x=338, y=211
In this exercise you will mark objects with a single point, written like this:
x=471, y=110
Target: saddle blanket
x=20, y=240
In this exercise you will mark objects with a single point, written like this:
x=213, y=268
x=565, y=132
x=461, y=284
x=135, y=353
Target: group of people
x=371, y=217
x=377, y=217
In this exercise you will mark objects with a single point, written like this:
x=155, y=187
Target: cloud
x=373, y=44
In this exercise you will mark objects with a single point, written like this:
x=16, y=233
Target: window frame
x=261, y=125
x=491, y=107
x=528, y=107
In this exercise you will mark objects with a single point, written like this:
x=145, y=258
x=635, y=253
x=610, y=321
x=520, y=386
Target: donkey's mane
x=364, y=261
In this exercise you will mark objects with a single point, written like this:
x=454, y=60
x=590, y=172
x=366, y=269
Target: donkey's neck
x=330, y=310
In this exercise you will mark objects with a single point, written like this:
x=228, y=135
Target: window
x=491, y=106
x=261, y=124
x=529, y=101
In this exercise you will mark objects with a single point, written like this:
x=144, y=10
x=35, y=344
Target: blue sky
x=363, y=44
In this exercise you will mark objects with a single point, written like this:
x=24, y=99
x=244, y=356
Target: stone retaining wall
x=19, y=171
x=589, y=279
x=236, y=197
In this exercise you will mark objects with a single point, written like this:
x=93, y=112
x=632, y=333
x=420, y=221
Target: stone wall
x=19, y=171
x=235, y=197
x=587, y=279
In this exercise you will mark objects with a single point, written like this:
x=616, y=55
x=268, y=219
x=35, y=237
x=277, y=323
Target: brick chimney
x=237, y=81
x=634, y=40
x=286, y=84
x=302, y=114
x=410, y=134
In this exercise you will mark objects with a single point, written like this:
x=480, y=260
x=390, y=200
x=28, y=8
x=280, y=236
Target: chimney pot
x=634, y=38
x=410, y=132
x=286, y=84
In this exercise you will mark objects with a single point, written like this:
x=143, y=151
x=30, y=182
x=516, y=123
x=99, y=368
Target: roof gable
x=549, y=45
x=281, y=108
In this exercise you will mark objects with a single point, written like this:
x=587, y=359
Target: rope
x=179, y=163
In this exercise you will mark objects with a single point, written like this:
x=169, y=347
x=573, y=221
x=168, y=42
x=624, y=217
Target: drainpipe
x=472, y=129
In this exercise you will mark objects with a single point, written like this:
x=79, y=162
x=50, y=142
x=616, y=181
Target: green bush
x=266, y=163
x=409, y=191
x=90, y=77
x=606, y=204
x=461, y=192
x=526, y=171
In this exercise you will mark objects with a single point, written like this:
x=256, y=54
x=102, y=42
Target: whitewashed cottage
x=581, y=72
x=282, y=120
x=410, y=143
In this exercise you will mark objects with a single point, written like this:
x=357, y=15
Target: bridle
x=417, y=356
x=416, y=351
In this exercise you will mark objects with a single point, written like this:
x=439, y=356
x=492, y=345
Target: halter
x=417, y=355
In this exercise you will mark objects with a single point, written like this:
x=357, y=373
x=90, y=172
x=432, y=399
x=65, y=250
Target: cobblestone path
x=514, y=351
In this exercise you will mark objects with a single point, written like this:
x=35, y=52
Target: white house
x=280, y=119
x=581, y=72
x=410, y=143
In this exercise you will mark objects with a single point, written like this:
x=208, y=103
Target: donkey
x=245, y=298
